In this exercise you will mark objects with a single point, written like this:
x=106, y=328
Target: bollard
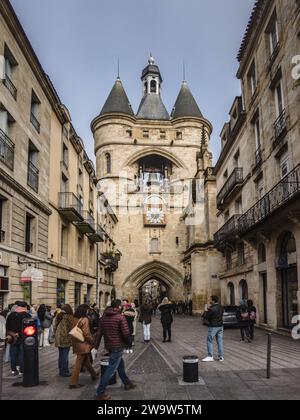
x=31, y=353
x=2, y=347
x=104, y=364
x=190, y=369
x=269, y=355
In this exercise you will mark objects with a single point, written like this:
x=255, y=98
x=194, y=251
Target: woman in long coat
x=62, y=326
x=82, y=350
x=165, y=309
x=146, y=318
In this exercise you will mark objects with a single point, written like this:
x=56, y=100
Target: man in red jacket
x=114, y=328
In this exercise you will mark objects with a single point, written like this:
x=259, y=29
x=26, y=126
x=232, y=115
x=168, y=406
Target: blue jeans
x=116, y=362
x=63, y=361
x=16, y=356
x=212, y=333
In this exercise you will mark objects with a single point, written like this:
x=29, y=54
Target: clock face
x=155, y=216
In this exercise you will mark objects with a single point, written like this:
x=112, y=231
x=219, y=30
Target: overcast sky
x=78, y=43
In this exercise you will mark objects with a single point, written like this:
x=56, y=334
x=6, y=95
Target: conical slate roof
x=117, y=101
x=152, y=108
x=185, y=105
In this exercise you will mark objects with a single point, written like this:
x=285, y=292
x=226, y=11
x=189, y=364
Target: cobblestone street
x=157, y=367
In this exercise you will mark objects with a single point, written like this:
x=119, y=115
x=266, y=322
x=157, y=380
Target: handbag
x=77, y=333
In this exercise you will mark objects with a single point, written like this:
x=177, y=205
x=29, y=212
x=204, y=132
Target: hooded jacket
x=114, y=328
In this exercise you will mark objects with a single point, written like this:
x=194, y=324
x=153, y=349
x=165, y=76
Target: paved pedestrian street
x=157, y=368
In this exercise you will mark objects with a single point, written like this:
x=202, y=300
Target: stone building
x=258, y=170
x=48, y=197
x=145, y=165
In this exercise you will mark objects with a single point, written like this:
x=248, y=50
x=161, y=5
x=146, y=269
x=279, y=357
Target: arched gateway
x=158, y=272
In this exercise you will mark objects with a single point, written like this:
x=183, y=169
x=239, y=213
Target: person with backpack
x=244, y=320
x=252, y=315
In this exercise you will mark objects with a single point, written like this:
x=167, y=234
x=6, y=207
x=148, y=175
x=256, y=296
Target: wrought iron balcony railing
x=280, y=126
x=35, y=122
x=7, y=151
x=98, y=234
x=33, y=176
x=2, y=235
x=228, y=230
x=10, y=86
x=236, y=178
x=70, y=206
x=111, y=261
x=287, y=189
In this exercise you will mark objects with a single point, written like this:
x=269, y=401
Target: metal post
x=269, y=354
x=2, y=347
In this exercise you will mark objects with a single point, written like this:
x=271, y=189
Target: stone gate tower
x=146, y=163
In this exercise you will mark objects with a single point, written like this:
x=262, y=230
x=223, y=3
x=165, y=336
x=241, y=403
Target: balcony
x=34, y=121
x=28, y=247
x=228, y=231
x=97, y=235
x=70, y=206
x=280, y=128
x=4, y=284
x=233, y=183
x=283, y=195
x=87, y=224
x=7, y=151
x=10, y=86
x=33, y=176
x=110, y=261
x=2, y=235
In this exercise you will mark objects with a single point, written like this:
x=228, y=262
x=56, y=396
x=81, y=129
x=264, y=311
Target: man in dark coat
x=114, y=328
x=214, y=317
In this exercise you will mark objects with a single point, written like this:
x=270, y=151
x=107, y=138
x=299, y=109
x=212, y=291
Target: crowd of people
x=84, y=329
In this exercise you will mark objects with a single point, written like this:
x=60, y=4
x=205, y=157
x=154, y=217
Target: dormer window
x=153, y=86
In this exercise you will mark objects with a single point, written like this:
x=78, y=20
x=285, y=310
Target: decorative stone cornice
x=9, y=180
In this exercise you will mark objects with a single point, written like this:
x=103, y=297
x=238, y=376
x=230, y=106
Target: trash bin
x=104, y=364
x=190, y=369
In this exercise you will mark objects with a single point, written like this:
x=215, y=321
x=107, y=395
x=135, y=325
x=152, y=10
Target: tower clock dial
x=155, y=216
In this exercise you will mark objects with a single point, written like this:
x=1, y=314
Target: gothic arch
x=155, y=151
x=155, y=269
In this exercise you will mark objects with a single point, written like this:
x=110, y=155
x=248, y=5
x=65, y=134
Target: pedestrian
x=214, y=318
x=114, y=328
x=82, y=349
x=14, y=327
x=62, y=326
x=252, y=315
x=45, y=320
x=130, y=315
x=243, y=317
x=2, y=326
x=166, y=308
x=145, y=319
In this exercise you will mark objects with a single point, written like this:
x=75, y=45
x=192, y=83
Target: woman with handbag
x=82, y=342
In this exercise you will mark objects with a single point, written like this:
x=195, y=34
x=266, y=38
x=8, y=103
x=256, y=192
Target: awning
x=32, y=274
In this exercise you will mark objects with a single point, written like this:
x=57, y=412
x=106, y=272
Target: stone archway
x=160, y=271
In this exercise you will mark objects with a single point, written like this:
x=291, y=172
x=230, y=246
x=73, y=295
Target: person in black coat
x=165, y=309
x=252, y=315
x=243, y=317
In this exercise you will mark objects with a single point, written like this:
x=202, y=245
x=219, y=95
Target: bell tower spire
x=151, y=78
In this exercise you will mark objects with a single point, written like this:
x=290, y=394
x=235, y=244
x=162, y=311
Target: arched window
x=231, y=297
x=261, y=253
x=241, y=254
x=108, y=163
x=145, y=88
x=243, y=290
x=153, y=86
